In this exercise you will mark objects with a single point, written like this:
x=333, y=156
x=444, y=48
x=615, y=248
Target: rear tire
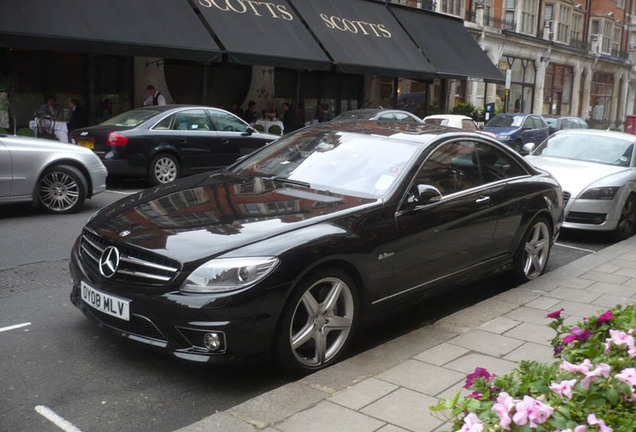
x=627, y=223
x=318, y=322
x=61, y=189
x=533, y=251
x=164, y=168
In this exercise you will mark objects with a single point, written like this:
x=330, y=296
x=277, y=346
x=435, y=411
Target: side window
x=582, y=124
x=387, y=117
x=528, y=124
x=567, y=124
x=469, y=125
x=227, y=122
x=496, y=165
x=165, y=124
x=404, y=118
x=192, y=121
x=451, y=168
x=538, y=124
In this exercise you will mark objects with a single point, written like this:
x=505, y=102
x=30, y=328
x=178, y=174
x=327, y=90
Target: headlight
x=229, y=274
x=602, y=193
x=504, y=137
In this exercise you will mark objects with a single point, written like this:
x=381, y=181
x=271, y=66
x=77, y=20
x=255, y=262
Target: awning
x=363, y=37
x=263, y=33
x=447, y=44
x=154, y=28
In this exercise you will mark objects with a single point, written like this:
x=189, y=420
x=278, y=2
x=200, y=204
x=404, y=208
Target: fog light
x=212, y=341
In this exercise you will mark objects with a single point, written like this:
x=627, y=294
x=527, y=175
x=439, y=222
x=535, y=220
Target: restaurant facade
x=340, y=54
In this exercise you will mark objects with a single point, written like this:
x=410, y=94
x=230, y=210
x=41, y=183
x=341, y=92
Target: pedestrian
x=250, y=114
x=51, y=109
x=289, y=118
x=319, y=116
x=79, y=116
x=237, y=110
x=154, y=97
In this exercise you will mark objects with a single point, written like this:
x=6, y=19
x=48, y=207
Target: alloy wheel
x=58, y=191
x=536, y=250
x=627, y=222
x=165, y=170
x=321, y=322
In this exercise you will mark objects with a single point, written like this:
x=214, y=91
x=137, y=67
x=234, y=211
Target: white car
x=456, y=121
x=597, y=170
x=56, y=176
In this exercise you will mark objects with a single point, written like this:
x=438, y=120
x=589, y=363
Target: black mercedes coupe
x=163, y=143
x=288, y=249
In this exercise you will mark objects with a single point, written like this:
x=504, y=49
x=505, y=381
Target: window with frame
x=548, y=17
x=509, y=15
x=616, y=41
x=563, y=28
x=452, y=7
x=607, y=37
x=577, y=27
x=620, y=4
x=528, y=16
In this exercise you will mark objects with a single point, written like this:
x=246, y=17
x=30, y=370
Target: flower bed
x=590, y=389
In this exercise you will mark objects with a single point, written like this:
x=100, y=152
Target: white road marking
x=574, y=247
x=58, y=421
x=121, y=192
x=13, y=327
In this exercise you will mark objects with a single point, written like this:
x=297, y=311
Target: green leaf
x=612, y=396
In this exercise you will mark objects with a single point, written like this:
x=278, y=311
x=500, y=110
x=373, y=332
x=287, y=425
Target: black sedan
x=162, y=143
x=287, y=250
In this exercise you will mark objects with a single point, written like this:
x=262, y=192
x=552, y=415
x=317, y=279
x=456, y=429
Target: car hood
x=574, y=176
x=206, y=215
x=501, y=130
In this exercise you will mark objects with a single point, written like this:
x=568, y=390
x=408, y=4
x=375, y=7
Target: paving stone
x=406, y=409
x=574, y=294
x=487, y=343
x=452, y=391
x=613, y=289
x=220, y=422
x=630, y=282
x=609, y=301
x=468, y=363
x=577, y=283
x=391, y=428
x=607, y=268
x=338, y=419
x=604, y=277
x=422, y=377
x=278, y=404
x=627, y=271
x=581, y=310
x=498, y=325
x=619, y=262
x=630, y=256
x=543, y=302
x=530, y=332
x=441, y=354
x=532, y=351
x=527, y=314
x=363, y=393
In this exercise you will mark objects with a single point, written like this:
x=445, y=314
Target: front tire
x=61, y=189
x=627, y=223
x=318, y=322
x=533, y=251
x=164, y=168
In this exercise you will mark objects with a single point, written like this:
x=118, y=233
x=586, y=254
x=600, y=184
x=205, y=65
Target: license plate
x=106, y=303
x=87, y=144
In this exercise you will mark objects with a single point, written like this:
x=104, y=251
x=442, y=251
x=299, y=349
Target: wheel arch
x=66, y=161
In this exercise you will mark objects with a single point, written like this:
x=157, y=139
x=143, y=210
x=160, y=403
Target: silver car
x=597, y=170
x=58, y=177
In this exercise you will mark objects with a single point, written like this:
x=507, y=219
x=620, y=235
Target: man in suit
x=79, y=117
x=51, y=109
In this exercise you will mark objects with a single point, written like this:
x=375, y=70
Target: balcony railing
x=580, y=44
x=490, y=21
x=616, y=53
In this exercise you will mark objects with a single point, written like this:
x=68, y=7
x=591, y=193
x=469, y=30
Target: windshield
x=506, y=120
x=588, y=148
x=340, y=162
x=131, y=118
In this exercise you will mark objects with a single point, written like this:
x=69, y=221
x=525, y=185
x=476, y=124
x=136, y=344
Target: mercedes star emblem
x=109, y=262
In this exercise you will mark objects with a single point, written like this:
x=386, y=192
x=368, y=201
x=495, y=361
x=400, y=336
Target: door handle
x=482, y=200
x=225, y=141
x=182, y=141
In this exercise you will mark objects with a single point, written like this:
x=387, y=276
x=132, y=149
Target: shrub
x=590, y=389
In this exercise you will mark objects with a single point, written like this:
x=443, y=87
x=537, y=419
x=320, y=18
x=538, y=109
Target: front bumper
x=178, y=323
x=98, y=175
x=592, y=215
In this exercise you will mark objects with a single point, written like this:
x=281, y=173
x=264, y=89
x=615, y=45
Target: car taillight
x=116, y=139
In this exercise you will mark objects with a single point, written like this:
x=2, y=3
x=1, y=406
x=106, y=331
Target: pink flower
x=607, y=316
x=577, y=334
x=581, y=428
x=555, y=314
x=479, y=373
x=619, y=339
x=472, y=424
x=531, y=410
x=593, y=421
x=583, y=368
x=627, y=376
x=502, y=408
x=475, y=395
x=564, y=388
x=602, y=369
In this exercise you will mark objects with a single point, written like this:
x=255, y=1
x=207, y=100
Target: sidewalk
x=390, y=387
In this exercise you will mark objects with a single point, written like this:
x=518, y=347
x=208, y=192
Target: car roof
x=600, y=133
x=448, y=116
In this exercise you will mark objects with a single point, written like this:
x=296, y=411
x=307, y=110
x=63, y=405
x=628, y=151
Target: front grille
x=566, y=197
x=135, y=267
x=586, y=218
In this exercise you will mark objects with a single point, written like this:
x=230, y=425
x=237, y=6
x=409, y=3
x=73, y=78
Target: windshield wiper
x=289, y=181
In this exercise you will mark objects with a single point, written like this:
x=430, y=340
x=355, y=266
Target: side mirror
x=528, y=148
x=422, y=195
x=249, y=131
